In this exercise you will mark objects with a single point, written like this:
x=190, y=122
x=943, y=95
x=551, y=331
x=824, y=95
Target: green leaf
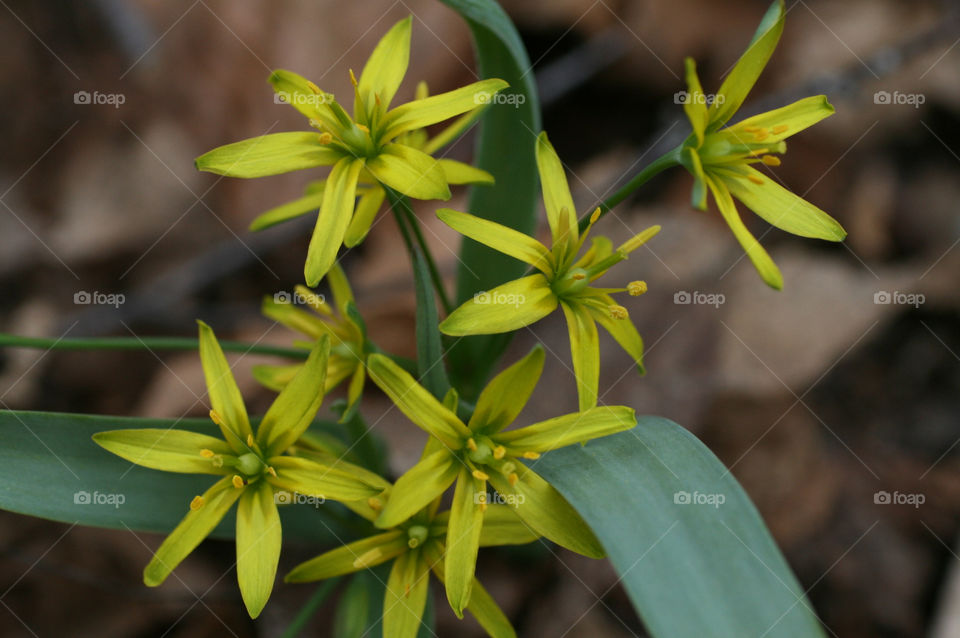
x=690, y=569
x=48, y=460
x=430, y=367
x=503, y=152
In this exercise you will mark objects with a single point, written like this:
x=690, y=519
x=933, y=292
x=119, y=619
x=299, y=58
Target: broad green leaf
x=51, y=468
x=503, y=152
x=693, y=565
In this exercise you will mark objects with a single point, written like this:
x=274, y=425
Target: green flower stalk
x=417, y=546
x=723, y=160
x=341, y=324
x=480, y=452
x=367, y=147
x=564, y=279
x=252, y=467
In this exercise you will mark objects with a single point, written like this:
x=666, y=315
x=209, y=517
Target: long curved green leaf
x=503, y=151
x=50, y=468
x=692, y=550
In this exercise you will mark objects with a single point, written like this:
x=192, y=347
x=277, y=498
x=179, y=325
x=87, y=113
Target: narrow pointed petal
x=418, y=486
x=461, y=173
x=548, y=513
x=761, y=260
x=578, y=427
x=584, y=351
x=258, y=546
x=340, y=288
x=436, y=108
x=167, y=450
x=288, y=211
x=297, y=319
x=222, y=389
x=409, y=171
x=507, y=393
x=781, y=208
x=271, y=154
x=303, y=95
x=499, y=237
x=294, y=409
x=385, y=68
x=194, y=527
x=507, y=307
x=779, y=124
x=335, y=214
x=556, y=193
x=691, y=161
x=416, y=402
x=346, y=559
x=273, y=377
x=623, y=331
x=335, y=482
x=355, y=389
x=503, y=526
x=367, y=208
x=453, y=131
x=406, y=596
x=696, y=104
x=744, y=75
x=463, y=539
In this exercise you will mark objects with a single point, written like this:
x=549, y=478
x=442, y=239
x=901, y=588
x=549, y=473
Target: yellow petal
x=222, y=389
x=436, y=108
x=258, y=546
x=561, y=213
x=505, y=308
x=334, y=218
x=499, y=237
x=585, y=351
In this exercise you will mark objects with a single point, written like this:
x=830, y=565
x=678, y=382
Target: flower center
x=416, y=534
x=573, y=282
x=250, y=465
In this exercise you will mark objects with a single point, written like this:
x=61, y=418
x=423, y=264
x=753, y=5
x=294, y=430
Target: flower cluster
x=437, y=514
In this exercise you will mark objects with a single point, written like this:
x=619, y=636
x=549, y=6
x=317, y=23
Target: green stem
x=310, y=608
x=142, y=343
x=654, y=168
x=408, y=223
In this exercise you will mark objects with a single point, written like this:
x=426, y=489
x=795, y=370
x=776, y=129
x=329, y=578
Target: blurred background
x=819, y=397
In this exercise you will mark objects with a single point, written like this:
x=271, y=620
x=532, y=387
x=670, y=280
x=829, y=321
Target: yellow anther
x=618, y=312
x=325, y=138
x=353, y=78
x=636, y=288
x=196, y=503
x=249, y=440
x=531, y=455
x=363, y=128
x=207, y=454
x=471, y=444
x=513, y=478
x=237, y=481
x=272, y=472
x=367, y=558
x=406, y=590
x=578, y=276
x=752, y=129
x=761, y=135
x=777, y=130
x=756, y=180
x=508, y=467
x=375, y=503
x=313, y=87
x=216, y=418
x=499, y=452
x=218, y=461
x=376, y=98
x=770, y=160
x=480, y=476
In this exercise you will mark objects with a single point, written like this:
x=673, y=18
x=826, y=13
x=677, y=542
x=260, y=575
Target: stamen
x=325, y=138
x=761, y=135
x=237, y=481
x=207, y=454
x=752, y=129
x=216, y=418
x=756, y=180
x=471, y=444
x=313, y=87
x=363, y=128
x=618, y=312
x=375, y=503
x=770, y=160
x=595, y=215
x=272, y=472
x=636, y=288
x=499, y=452
x=353, y=78
x=777, y=130
x=376, y=98
x=196, y=503
x=578, y=276
x=513, y=478
x=508, y=467
x=531, y=455
x=480, y=476
x=639, y=239
x=367, y=558
x=218, y=461
x=249, y=440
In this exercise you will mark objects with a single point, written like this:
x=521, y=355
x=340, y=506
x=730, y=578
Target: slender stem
x=310, y=608
x=403, y=212
x=659, y=165
x=142, y=343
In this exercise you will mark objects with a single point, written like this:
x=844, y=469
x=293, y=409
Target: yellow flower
x=564, y=279
x=371, y=146
x=723, y=160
